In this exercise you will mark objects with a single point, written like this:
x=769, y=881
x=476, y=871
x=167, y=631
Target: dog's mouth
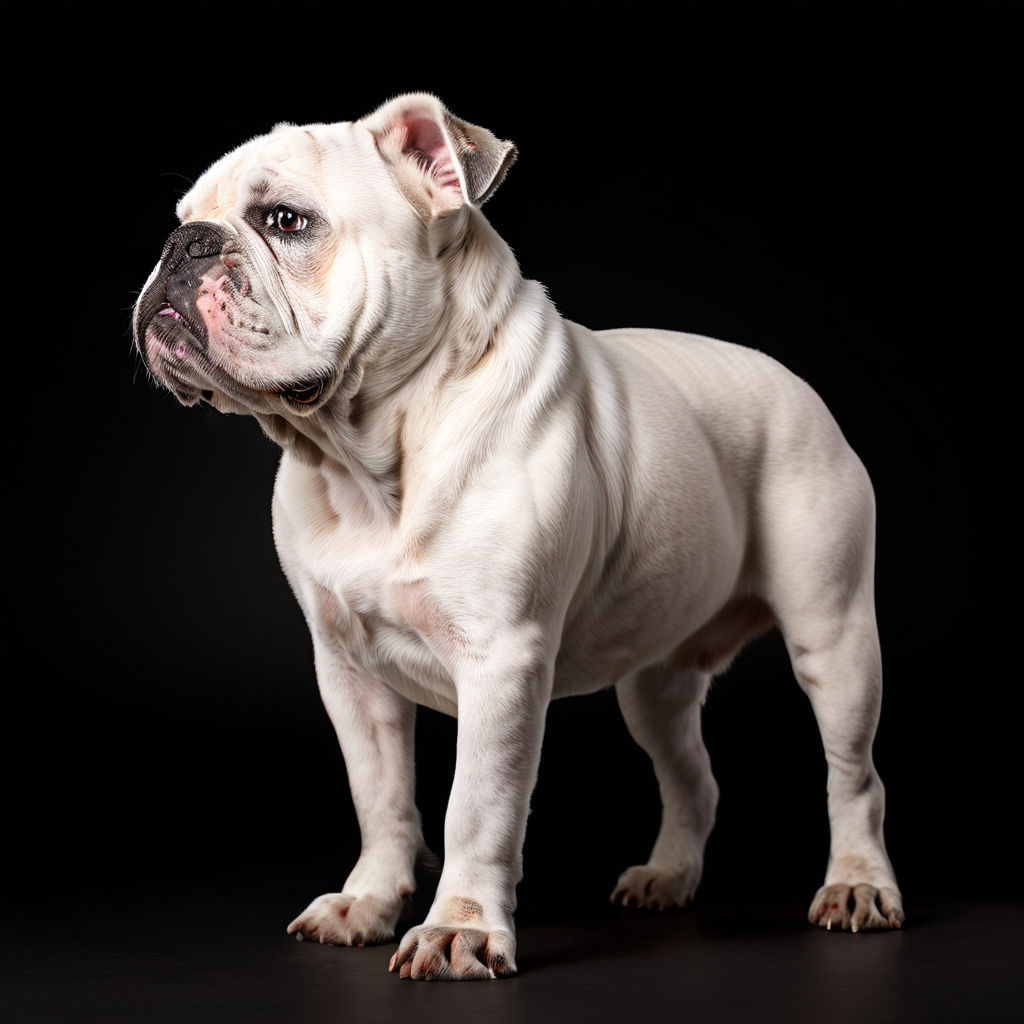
x=179, y=346
x=304, y=394
x=178, y=323
x=168, y=310
x=169, y=345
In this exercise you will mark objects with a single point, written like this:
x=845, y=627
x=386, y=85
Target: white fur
x=496, y=507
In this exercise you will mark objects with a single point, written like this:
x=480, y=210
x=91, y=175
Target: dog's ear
x=439, y=162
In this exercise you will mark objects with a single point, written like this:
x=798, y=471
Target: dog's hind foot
x=342, y=920
x=655, y=888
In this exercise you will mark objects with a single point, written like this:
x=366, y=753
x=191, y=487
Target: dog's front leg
x=469, y=932
x=375, y=727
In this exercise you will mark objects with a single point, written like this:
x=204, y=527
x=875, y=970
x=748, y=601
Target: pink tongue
x=170, y=312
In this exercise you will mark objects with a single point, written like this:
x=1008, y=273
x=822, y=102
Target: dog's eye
x=286, y=219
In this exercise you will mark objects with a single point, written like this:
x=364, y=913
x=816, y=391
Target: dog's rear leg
x=661, y=707
x=839, y=667
x=818, y=558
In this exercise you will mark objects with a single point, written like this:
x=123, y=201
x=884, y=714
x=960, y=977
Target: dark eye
x=286, y=219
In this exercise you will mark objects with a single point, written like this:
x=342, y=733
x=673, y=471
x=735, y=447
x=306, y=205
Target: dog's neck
x=361, y=429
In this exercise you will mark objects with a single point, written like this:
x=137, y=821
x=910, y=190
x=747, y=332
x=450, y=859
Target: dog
x=481, y=507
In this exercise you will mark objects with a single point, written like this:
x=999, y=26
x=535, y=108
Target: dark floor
x=224, y=956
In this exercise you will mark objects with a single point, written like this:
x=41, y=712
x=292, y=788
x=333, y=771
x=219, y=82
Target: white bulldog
x=482, y=506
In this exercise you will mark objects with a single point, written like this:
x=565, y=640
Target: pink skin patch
x=236, y=337
x=216, y=304
x=154, y=348
x=414, y=604
x=423, y=135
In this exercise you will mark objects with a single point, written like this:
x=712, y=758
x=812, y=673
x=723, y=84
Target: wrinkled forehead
x=309, y=157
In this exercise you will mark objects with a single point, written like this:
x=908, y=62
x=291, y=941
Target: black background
x=832, y=189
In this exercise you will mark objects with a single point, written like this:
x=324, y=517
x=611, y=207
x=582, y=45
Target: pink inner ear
x=425, y=141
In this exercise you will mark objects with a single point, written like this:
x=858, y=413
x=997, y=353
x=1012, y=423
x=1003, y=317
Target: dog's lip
x=168, y=310
x=176, y=348
x=166, y=314
x=303, y=393
x=173, y=330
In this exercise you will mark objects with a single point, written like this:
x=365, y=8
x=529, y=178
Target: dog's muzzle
x=171, y=333
x=167, y=309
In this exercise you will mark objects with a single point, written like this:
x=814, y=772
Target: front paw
x=344, y=920
x=455, y=953
x=856, y=908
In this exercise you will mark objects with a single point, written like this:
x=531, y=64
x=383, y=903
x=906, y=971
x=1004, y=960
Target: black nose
x=191, y=244
x=189, y=252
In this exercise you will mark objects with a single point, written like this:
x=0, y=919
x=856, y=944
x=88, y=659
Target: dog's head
x=307, y=255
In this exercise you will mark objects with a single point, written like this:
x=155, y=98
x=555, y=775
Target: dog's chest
x=346, y=568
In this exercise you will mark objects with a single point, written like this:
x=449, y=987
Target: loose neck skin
x=393, y=380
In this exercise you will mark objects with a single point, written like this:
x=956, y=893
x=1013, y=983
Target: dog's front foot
x=856, y=908
x=655, y=888
x=343, y=920
x=455, y=953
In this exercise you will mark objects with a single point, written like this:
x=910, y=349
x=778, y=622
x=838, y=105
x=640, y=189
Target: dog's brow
x=267, y=187
x=260, y=184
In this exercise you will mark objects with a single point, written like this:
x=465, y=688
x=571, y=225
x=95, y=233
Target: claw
x=434, y=952
x=342, y=920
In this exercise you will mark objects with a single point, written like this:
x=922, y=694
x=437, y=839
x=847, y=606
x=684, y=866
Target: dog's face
x=310, y=254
